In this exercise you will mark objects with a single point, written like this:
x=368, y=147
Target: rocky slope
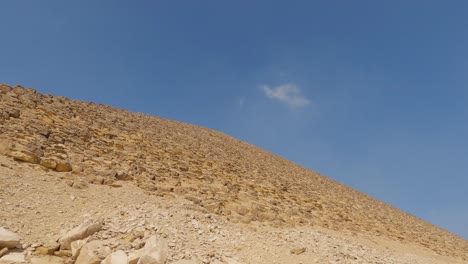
x=152, y=178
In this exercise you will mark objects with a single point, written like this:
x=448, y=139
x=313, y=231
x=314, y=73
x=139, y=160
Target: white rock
x=8, y=239
x=118, y=257
x=146, y=259
x=154, y=252
x=133, y=257
x=47, y=260
x=13, y=257
x=88, y=253
x=152, y=242
x=84, y=230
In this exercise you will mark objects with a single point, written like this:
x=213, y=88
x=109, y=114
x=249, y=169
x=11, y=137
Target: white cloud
x=287, y=93
x=241, y=102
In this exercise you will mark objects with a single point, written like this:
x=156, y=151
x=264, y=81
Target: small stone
x=43, y=251
x=298, y=251
x=63, y=166
x=122, y=176
x=15, y=113
x=50, y=164
x=98, y=180
x=79, y=185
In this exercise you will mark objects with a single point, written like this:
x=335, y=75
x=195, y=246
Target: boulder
x=118, y=257
x=76, y=246
x=154, y=252
x=147, y=259
x=134, y=256
x=13, y=257
x=84, y=230
x=8, y=239
x=155, y=242
x=47, y=260
x=89, y=253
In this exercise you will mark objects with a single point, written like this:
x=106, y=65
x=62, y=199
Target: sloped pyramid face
x=98, y=144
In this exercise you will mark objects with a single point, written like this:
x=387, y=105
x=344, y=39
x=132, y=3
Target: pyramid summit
x=193, y=193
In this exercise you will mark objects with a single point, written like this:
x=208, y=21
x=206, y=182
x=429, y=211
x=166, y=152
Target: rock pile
x=124, y=237
x=87, y=145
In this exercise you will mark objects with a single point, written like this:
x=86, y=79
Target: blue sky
x=370, y=93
